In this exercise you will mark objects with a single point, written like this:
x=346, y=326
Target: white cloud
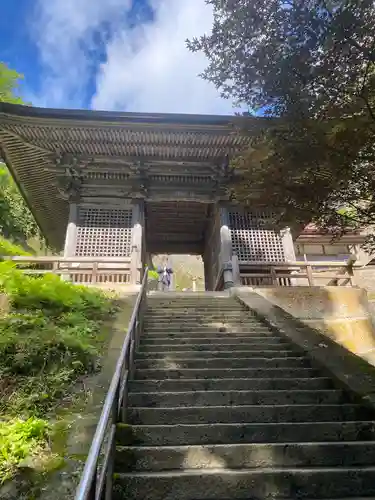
x=67, y=33
x=150, y=69
x=146, y=68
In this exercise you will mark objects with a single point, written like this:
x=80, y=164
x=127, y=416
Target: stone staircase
x=222, y=407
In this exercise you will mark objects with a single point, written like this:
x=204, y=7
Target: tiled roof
x=29, y=136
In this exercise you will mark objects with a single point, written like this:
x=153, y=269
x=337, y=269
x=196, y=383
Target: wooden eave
x=29, y=137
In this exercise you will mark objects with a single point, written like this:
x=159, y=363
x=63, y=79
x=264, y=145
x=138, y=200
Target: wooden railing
x=85, y=270
x=116, y=270
x=297, y=273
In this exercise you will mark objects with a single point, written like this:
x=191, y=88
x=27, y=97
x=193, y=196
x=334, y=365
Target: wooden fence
x=114, y=270
x=85, y=270
x=297, y=273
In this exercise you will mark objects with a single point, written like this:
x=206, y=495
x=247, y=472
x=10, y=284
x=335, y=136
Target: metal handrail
x=97, y=481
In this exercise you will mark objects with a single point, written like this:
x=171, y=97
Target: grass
x=50, y=336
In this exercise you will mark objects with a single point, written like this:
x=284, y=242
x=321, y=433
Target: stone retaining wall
x=341, y=313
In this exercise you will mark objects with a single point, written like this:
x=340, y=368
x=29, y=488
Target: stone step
x=200, y=306
x=190, y=316
x=209, y=373
x=200, y=332
x=217, y=484
x=182, y=297
x=249, y=432
x=231, y=384
x=197, y=306
x=153, y=343
x=195, y=336
x=209, y=354
x=198, y=309
x=198, y=323
x=236, y=398
x=246, y=455
x=247, y=413
x=210, y=349
x=203, y=320
x=194, y=312
x=168, y=362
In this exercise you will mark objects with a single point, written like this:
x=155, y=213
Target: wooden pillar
x=71, y=236
x=289, y=252
x=206, y=271
x=136, y=247
x=226, y=248
x=236, y=271
x=288, y=245
x=71, y=231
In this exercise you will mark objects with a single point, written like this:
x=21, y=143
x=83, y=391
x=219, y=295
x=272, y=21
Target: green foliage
x=52, y=336
x=153, y=275
x=7, y=248
x=310, y=58
x=20, y=439
x=9, y=85
x=16, y=221
x=31, y=343
x=49, y=293
x=309, y=67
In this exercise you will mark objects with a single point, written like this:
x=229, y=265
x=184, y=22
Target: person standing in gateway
x=165, y=271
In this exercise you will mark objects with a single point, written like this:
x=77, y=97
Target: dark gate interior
x=176, y=227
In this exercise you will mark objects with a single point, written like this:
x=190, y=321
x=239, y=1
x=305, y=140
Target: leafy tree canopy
x=16, y=220
x=309, y=67
x=9, y=85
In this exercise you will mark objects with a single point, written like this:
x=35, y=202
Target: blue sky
x=109, y=54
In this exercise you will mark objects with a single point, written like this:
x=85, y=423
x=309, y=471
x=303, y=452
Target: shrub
x=7, y=248
x=49, y=293
x=51, y=337
x=153, y=275
x=20, y=439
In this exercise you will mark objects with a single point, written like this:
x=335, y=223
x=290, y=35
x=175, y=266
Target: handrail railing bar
x=122, y=388
x=101, y=480
x=75, y=271
x=52, y=259
x=297, y=263
x=299, y=275
x=90, y=468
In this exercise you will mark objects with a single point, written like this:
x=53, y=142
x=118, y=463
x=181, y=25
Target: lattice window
x=104, y=232
x=252, y=238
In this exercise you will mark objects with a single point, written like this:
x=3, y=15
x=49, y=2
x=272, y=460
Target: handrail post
x=309, y=273
x=274, y=277
x=350, y=270
x=95, y=267
x=55, y=267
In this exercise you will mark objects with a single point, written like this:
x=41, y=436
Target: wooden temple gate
x=110, y=189
x=215, y=231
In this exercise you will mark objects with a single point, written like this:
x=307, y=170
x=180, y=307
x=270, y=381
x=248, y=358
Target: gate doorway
x=176, y=227
x=188, y=271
